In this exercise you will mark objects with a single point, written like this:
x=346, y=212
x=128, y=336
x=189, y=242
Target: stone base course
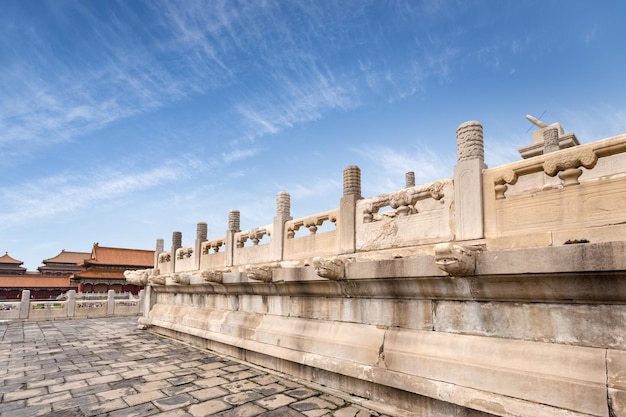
x=106, y=367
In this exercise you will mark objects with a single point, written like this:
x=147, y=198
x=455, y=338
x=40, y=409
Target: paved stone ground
x=106, y=367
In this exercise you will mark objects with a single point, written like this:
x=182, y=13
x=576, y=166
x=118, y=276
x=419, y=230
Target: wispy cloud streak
x=67, y=192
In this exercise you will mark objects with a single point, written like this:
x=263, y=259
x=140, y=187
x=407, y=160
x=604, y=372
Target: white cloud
x=238, y=154
x=305, y=99
x=391, y=165
x=67, y=192
x=593, y=123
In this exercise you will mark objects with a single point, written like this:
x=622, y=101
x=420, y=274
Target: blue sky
x=121, y=122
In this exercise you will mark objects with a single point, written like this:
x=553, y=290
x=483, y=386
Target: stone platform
x=106, y=367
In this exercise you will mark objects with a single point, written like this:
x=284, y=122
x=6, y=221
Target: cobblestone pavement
x=106, y=367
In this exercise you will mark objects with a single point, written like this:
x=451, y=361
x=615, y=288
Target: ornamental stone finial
x=233, y=221
x=410, y=179
x=469, y=141
x=352, y=181
x=201, y=231
x=550, y=140
x=177, y=240
x=283, y=203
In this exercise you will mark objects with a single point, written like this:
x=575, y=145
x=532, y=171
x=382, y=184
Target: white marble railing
x=71, y=307
x=499, y=291
x=537, y=194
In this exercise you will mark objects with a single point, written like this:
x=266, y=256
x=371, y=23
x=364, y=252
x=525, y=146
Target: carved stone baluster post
x=177, y=243
x=201, y=236
x=233, y=227
x=25, y=304
x=160, y=248
x=149, y=299
x=550, y=139
x=550, y=144
x=468, y=181
x=347, y=209
x=283, y=214
x=410, y=179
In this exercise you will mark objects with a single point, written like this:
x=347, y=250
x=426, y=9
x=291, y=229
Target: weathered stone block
x=572, y=324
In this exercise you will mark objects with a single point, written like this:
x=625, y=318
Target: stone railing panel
x=9, y=310
x=314, y=241
x=127, y=307
x=257, y=252
x=564, y=191
x=165, y=264
x=91, y=309
x=213, y=254
x=47, y=310
x=418, y=215
x=185, y=259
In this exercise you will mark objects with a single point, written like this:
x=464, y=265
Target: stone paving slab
x=107, y=367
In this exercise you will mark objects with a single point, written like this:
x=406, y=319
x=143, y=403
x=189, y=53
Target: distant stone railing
x=73, y=307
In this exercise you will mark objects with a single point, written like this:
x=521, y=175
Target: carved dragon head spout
x=457, y=260
x=261, y=272
x=213, y=275
x=157, y=280
x=330, y=268
x=138, y=277
x=181, y=279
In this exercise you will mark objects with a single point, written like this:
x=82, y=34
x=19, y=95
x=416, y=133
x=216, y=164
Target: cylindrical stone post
x=202, y=231
x=177, y=241
x=550, y=140
x=469, y=142
x=283, y=214
x=410, y=179
x=283, y=204
x=201, y=236
x=233, y=221
x=233, y=227
x=352, y=181
x=347, y=209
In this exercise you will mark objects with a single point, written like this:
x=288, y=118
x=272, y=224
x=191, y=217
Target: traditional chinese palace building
x=43, y=285
x=104, y=269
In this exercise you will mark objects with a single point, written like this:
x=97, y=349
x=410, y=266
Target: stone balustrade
x=72, y=307
x=499, y=291
x=572, y=195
